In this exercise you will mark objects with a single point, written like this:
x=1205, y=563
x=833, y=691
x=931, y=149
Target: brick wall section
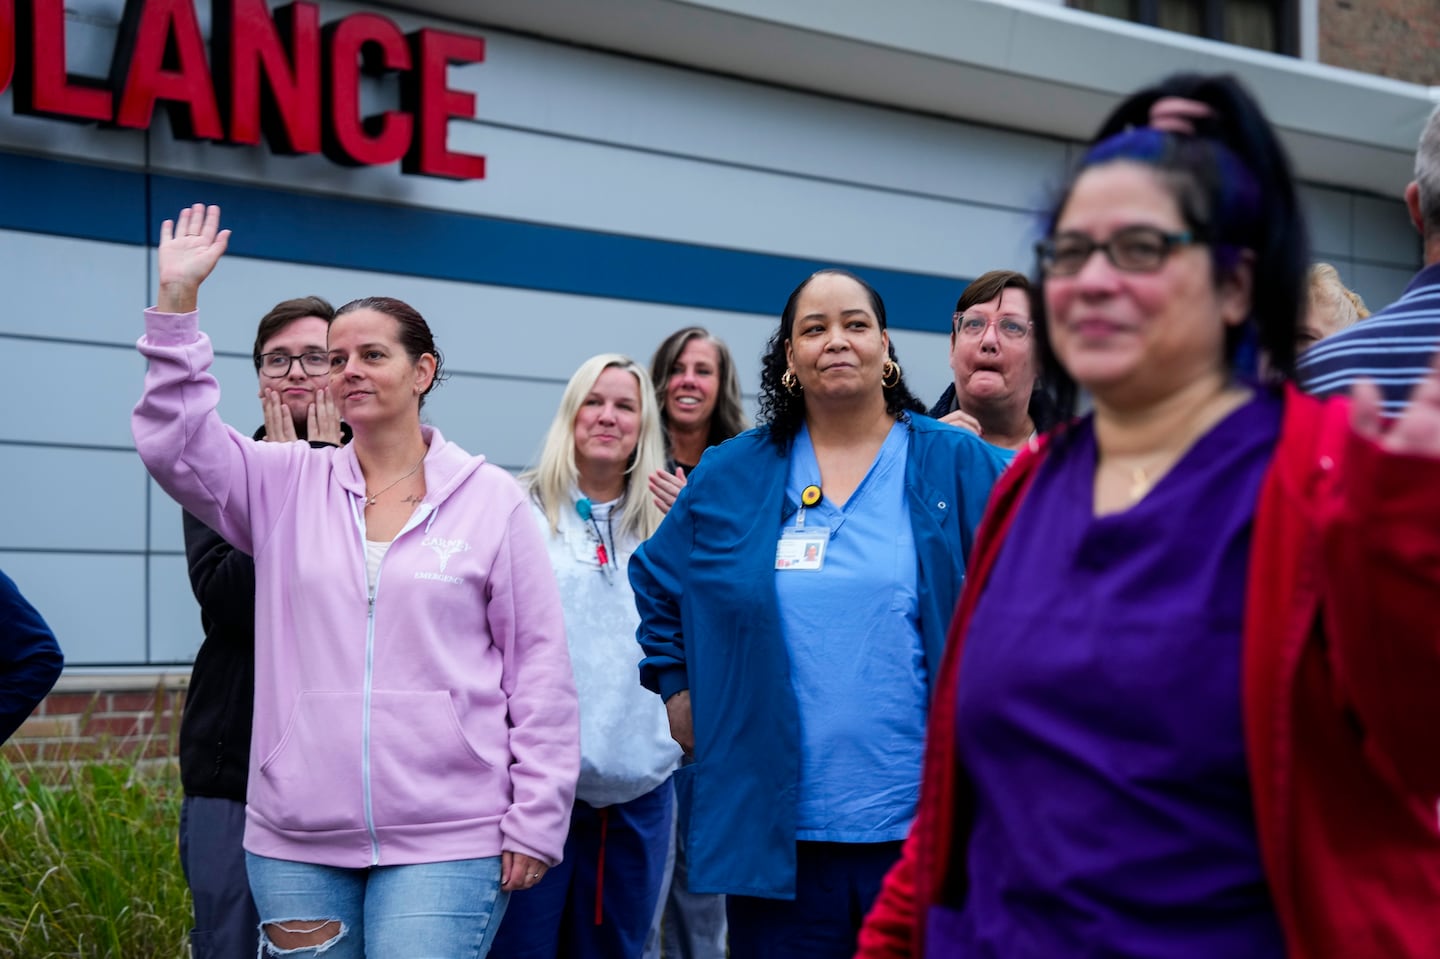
x=87, y=719
x=1393, y=38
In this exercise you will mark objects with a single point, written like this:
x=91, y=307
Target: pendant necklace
x=370, y=500
x=1141, y=481
x=1153, y=468
x=1144, y=476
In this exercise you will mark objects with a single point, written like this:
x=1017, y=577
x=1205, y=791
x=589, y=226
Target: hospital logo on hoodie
x=444, y=548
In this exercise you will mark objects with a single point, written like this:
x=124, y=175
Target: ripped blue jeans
x=437, y=909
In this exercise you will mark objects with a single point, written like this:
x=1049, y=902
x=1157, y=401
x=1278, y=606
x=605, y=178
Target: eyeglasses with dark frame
x=278, y=365
x=1134, y=249
x=973, y=327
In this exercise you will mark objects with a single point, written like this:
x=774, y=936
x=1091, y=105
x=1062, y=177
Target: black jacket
x=1043, y=410
x=30, y=659
x=215, y=727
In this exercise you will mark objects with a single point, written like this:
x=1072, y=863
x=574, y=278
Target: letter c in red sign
x=372, y=44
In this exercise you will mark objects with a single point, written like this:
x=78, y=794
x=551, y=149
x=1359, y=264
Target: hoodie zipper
x=369, y=684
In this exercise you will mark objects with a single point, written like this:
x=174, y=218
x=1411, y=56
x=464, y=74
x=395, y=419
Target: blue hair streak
x=1234, y=201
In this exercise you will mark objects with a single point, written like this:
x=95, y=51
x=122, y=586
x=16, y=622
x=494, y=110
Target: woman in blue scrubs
x=793, y=607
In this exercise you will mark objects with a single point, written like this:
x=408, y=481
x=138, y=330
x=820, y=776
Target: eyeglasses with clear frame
x=278, y=365
x=973, y=327
x=1133, y=249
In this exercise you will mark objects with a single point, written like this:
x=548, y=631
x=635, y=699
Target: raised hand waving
x=190, y=246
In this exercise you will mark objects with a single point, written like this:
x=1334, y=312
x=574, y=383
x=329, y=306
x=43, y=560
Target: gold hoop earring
x=791, y=382
x=890, y=374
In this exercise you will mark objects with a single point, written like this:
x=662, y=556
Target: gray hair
x=1427, y=174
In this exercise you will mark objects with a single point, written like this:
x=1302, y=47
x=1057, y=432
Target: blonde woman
x=589, y=498
x=1333, y=307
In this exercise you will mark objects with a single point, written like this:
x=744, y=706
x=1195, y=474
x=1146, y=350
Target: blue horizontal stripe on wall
x=73, y=199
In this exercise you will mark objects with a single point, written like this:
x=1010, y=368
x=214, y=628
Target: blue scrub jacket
x=709, y=622
x=30, y=658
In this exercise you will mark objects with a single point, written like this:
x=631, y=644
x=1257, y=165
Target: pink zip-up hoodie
x=436, y=722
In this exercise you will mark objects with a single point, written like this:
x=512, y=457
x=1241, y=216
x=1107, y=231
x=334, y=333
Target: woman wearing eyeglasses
x=589, y=497
x=1187, y=707
x=293, y=369
x=996, y=392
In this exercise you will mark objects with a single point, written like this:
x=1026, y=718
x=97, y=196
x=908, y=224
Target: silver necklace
x=370, y=500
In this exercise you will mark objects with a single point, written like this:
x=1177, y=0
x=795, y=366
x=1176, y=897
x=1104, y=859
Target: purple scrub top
x=1099, y=718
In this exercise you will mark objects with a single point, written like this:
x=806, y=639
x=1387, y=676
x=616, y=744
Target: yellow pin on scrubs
x=810, y=495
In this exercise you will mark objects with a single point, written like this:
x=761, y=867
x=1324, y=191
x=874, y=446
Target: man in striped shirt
x=1395, y=347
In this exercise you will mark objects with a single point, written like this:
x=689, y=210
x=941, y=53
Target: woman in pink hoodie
x=415, y=744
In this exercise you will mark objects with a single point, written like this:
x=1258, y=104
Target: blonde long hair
x=555, y=473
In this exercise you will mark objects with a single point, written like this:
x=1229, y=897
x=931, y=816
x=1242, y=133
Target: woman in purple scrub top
x=1187, y=706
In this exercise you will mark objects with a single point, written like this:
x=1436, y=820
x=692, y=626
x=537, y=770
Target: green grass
x=89, y=867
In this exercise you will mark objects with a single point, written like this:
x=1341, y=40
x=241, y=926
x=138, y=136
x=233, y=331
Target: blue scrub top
x=857, y=658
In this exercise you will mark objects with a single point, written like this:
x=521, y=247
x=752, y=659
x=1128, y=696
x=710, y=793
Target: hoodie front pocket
x=311, y=780
x=423, y=768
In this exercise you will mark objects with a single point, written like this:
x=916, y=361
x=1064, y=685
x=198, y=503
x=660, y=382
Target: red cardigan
x=1341, y=698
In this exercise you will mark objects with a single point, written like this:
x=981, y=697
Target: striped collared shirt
x=1394, y=348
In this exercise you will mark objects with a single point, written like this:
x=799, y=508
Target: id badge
x=802, y=547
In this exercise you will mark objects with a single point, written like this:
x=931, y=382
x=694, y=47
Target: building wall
x=1391, y=38
x=133, y=720
x=624, y=198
